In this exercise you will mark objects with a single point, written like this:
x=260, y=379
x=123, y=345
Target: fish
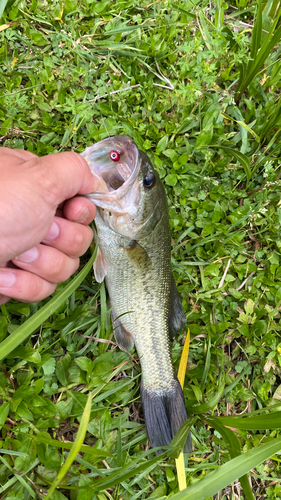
x=134, y=259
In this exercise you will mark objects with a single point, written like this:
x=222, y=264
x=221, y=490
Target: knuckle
x=78, y=242
x=47, y=290
x=68, y=267
x=35, y=287
x=57, y=266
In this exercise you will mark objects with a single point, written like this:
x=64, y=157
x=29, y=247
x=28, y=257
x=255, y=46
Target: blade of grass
x=14, y=479
x=119, y=447
x=19, y=478
x=260, y=56
x=179, y=439
x=256, y=37
x=181, y=376
x=204, y=31
x=219, y=16
x=13, y=453
x=40, y=438
x=207, y=364
x=272, y=120
x=258, y=422
x=29, y=326
x=229, y=472
x=181, y=471
x=183, y=361
x=4, y=26
x=204, y=407
x=126, y=472
x=245, y=162
x=230, y=387
x=75, y=448
x=3, y=4
x=234, y=449
x=123, y=28
x=184, y=11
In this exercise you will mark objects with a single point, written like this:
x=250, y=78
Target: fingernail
x=28, y=256
x=7, y=279
x=53, y=233
x=82, y=215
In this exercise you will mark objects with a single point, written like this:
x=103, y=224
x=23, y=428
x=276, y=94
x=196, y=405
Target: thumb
x=63, y=175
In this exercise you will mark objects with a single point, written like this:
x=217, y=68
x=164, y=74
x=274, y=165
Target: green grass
x=197, y=85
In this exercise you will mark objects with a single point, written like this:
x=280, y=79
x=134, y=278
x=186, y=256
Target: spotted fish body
x=133, y=237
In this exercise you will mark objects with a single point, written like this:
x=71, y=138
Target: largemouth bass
x=134, y=258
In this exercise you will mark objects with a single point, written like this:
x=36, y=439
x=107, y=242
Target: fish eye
x=149, y=180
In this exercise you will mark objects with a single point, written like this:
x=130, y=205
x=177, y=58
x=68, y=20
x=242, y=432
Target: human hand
x=43, y=223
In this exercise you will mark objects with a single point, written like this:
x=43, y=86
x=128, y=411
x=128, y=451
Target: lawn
x=197, y=86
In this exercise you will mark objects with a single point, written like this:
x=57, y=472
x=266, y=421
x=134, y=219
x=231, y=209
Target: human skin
x=43, y=221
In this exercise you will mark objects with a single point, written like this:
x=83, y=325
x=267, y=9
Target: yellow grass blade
x=181, y=374
x=183, y=361
x=4, y=27
x=181, y=472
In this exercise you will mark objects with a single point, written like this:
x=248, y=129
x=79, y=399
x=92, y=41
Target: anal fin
x=121, y=334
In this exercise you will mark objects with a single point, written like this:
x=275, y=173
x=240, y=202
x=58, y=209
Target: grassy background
x=197, y=85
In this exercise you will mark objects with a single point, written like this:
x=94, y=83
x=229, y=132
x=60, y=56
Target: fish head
x=130, y=193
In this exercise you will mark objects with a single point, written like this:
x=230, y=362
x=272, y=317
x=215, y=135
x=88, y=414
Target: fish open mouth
x=114, y=161
x=115, y=176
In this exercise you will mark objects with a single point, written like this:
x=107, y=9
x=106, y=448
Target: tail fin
x=164, y=414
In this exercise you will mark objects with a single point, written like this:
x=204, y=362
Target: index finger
x=79, y=209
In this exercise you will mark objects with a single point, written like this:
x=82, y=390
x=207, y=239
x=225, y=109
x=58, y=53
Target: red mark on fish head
x=114, y=155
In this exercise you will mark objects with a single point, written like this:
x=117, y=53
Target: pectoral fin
x=121, y=334
x=177, y=319
x=100, y=267
x=137, y=253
